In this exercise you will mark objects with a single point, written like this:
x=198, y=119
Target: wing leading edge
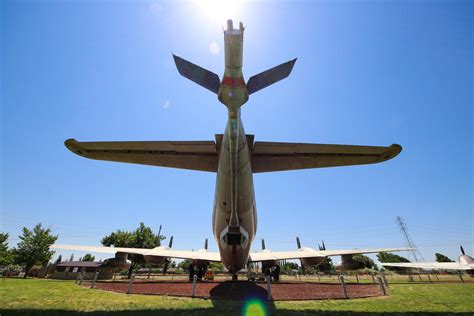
x=432, y=265
x=193, y=155
x=158, y=252
x=272, y=156
x=304, y=253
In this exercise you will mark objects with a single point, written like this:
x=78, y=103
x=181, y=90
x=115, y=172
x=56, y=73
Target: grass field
x=55, y=297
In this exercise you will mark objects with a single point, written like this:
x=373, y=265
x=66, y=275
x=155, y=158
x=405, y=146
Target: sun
x=220, y=10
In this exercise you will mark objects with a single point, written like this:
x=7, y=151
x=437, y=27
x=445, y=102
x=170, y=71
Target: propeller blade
x=298, y=243
x=205, y=244
x=263, y=244
x=324, y=246
x=462, y=251
x=171, y=242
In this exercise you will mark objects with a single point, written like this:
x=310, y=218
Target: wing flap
x=192, y=155
x=273, y=156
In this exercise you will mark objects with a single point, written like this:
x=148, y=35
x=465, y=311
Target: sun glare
x=220, y=10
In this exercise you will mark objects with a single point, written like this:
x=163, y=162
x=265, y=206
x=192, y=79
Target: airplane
x=235, y=156
x=465, y=262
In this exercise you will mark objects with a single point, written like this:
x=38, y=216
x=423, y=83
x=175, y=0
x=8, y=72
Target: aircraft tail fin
x=270, y=76
x=199, y=75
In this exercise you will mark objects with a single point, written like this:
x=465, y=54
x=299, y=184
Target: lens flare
x=254, y=307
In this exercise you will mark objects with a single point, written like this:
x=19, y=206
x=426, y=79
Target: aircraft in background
x=235, y=157
x=465, y=263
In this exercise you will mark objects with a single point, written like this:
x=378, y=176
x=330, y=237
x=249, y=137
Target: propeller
x=462, y=251
x=205, y=244
x=298, y=243
x=171, y=242
x=263, y=244
x=323, y=247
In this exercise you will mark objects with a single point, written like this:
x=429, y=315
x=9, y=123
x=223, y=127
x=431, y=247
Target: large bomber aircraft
x=465, y=263
x=235, y=157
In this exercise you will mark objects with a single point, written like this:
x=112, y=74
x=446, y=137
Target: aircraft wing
x=159, y=252
x=193, y=155
x=303, y=253
x=271, y=156
x=432, y=265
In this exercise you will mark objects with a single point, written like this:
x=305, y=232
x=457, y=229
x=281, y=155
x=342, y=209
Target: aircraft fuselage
x=234, y=216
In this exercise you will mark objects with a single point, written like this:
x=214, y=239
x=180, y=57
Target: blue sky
x=368, y=73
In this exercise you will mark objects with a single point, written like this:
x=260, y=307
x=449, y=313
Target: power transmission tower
x=408, y=241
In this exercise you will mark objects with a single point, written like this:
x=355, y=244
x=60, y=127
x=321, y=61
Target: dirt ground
x=245, y=289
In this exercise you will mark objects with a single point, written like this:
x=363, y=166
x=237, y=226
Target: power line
x=408, y=241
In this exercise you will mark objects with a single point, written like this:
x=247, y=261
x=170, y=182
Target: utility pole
x=408, y=241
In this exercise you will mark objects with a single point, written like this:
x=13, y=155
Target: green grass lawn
x=55, y=297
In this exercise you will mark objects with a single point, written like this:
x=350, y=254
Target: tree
x=6, y=255
x=364, y=260
x=326, y=266
x=33, y=247
x=287, y=267
x=184, y=264
x=142, y=237
x=216, y=266
x=386, y=257
x=442, y=258
x=59, y=260
x=88, y=257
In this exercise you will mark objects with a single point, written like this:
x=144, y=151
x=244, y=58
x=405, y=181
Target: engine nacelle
x=119, y=262
x=349, y=264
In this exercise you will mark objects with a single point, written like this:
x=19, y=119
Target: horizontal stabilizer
x=199, y=75
x=270, y=76
x=270, y=156
x=192, y=155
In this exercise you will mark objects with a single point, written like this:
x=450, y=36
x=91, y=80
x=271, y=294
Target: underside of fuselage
x=234, y=215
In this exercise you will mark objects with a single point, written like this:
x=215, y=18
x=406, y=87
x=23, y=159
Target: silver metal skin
x=234, y=205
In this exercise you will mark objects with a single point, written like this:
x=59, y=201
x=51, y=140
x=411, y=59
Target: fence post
x=269, y=287
x=382, y=287
x=195, y=277
x=429, y=279
x=384, y=279
x=81, y=278
x=460, y=276
x=373, y=279
x=130, y=283
x=357, y=278
x=343, y=285
x=96, y=275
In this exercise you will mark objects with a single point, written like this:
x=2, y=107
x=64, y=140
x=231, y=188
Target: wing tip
x=392, y=152
x=73, y=146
